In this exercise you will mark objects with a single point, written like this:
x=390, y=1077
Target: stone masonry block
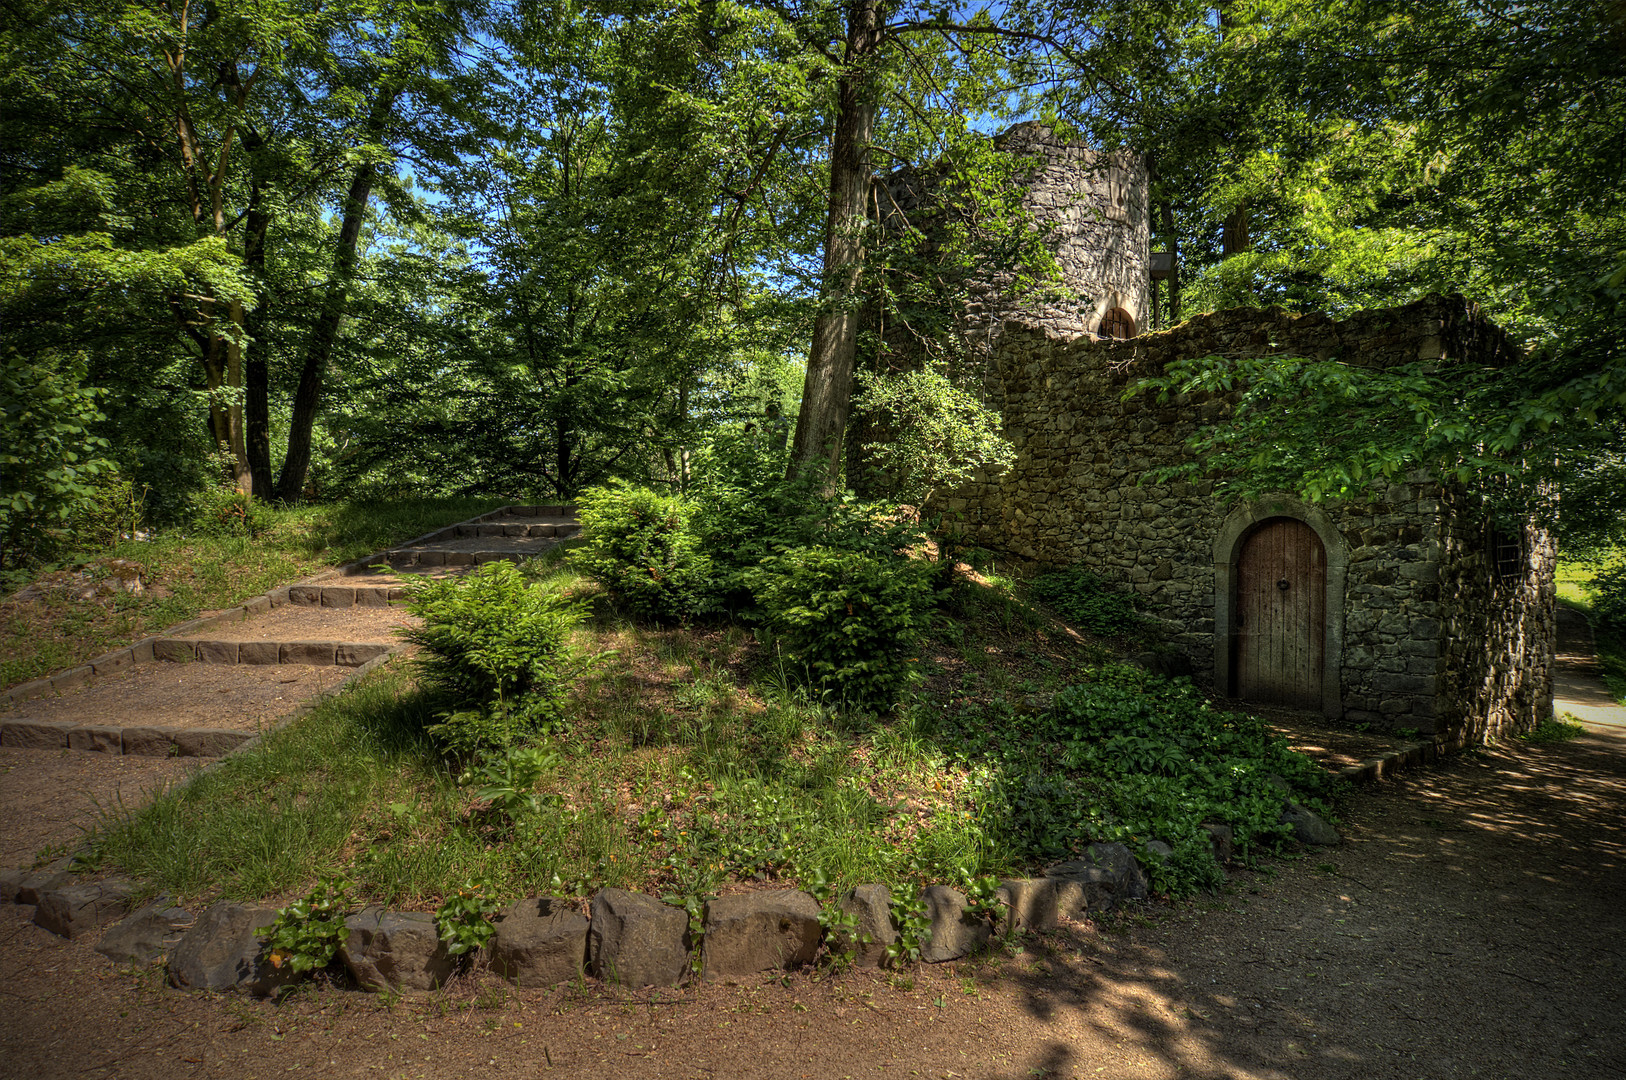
x=370, y=597
x=71, y=678
x=540, y=942
x=956, y=931
x=96, y=738
x=172, y=651
x=149, y=741
x=257, y=606
x=32, y=689
x=308, y=652
x=337, y=596
x=206, y=742
x=141, y=651
x=259, y=652
x=871, y=906
x=355, y=654
x=460, y=558
x=431, y=558
x=305, y=595
x=33, y=735
x=217, y=652
x=113, y=661
x=1031, y=903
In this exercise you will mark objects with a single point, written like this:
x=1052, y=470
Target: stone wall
x=1500, y=629
x=1076, y=494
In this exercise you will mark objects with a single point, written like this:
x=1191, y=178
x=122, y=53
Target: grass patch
x=688, y=762
x=187, y=574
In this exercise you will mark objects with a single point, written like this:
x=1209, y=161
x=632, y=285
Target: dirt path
x=1471, y=926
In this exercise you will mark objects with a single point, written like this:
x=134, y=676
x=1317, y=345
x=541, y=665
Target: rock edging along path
x=623, y=937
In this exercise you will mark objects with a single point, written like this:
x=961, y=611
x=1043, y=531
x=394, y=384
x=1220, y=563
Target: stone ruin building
x=1411, y=611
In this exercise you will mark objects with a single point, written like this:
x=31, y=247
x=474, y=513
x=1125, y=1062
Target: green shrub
x=1087, y=601
x=223, y=510
x=114, y=512
x=464, y=918
x=641, y=546
x=49, y=460
x=497, y=649
x=306, y=934
x=850, y=617
x=1607, y=591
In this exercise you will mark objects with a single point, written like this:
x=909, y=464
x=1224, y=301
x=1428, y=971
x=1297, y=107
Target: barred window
x=1507, y=554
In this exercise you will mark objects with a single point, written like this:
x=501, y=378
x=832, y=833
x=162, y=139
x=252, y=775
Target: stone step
x=532, y=529
x=157, y=708
x=316, y=653
x=305, y=622
x=404, y=558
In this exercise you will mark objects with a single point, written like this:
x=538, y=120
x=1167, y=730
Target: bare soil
x=50, y=798
x=237, y=697
x=1471, y=925
x=1333, y=744
x=306, y=622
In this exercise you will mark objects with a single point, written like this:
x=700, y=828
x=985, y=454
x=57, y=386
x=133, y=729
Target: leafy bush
x=1087, y=601
x=1607, y=591
x=1555, y=729
x=851, y=617
x=223, y=510
x=498, y=649
x=507, y=780
x=932, y=433
x=640, y=545
x=464, y=918
x=306, y=934
x=49, y=460
x=114, y=511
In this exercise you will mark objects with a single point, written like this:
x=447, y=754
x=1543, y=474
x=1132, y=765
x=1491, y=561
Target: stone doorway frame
x=1227, y=551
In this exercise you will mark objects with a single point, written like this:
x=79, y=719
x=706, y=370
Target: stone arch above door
x=1227, y=549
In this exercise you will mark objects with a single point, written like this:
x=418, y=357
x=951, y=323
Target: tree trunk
x=1234, y=235
x=256, y=372
x=319, y=349
x=827, y=390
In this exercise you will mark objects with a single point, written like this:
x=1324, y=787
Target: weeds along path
x=105, y=736
x=1471, y=925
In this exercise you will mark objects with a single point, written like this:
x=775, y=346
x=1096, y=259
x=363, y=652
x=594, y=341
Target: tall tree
x=1385, y=150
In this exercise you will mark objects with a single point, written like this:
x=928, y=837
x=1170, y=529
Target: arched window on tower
x=1116, y=323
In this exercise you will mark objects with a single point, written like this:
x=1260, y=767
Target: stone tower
x=1093, y=210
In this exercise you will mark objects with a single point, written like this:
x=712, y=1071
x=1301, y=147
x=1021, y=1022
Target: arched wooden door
x=1281, y=615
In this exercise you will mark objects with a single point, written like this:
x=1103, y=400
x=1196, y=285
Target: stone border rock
x=624, y=938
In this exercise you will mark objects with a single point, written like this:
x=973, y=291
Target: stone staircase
x=209, y=686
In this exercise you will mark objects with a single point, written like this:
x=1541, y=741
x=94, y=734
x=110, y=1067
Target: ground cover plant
x=72, y=612
x=685, y=762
